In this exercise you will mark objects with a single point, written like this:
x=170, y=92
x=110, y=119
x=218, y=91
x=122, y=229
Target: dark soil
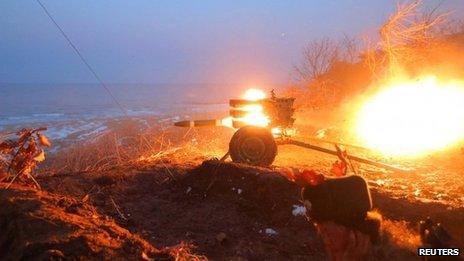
x=223, y=211
x=42, y=226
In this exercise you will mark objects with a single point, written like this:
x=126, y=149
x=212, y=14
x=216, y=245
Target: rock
x=221, y=237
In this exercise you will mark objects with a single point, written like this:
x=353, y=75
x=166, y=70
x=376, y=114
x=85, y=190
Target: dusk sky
x=176, y=41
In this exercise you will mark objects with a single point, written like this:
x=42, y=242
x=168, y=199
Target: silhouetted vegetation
x=411, y=41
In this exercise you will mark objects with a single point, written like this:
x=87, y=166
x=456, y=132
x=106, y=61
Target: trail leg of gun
x=351, y=157
x=225, y=156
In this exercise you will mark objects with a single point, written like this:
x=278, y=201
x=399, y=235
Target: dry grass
x=122, y=148
x=399, y=242
x=183, y=252
x=400, y=234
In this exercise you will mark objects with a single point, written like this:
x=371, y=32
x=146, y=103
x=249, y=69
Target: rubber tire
x=264, y=139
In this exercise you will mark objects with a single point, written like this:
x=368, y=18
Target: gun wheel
x=253, y=145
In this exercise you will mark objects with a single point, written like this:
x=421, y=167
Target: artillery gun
x=263, y=124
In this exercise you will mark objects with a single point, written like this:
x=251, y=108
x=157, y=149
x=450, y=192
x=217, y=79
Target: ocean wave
x=77, y=130
x=35, y=118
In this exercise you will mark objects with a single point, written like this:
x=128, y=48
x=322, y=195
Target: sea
x=83, y=110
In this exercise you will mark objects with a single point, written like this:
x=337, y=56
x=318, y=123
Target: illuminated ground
x=435, y=189
x=224, y=212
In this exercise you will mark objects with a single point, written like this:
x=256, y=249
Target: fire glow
x=254, y=114
x=254, y=95
x=413, y=117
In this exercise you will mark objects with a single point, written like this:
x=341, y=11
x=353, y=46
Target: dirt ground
x=43, y=226
x=225, y=211
x=435, y=187
x=196, y=208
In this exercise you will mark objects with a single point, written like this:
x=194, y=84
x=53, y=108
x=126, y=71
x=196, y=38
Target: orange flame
x=254, y=112
x=413, y=117
x=254, y=95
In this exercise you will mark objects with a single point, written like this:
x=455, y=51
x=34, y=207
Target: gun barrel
x=198, y=123
x=242, y=102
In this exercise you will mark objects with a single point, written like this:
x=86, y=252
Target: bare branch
x=320, y=55
x=407, y=34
